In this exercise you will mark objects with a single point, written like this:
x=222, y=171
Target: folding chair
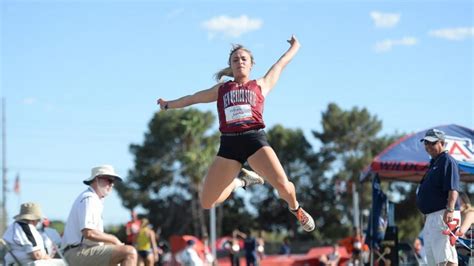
x=7, y=247
x=60, y=253
x=381, y=256
x=464, y=246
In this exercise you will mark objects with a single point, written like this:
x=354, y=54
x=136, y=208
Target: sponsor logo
x=460, y=148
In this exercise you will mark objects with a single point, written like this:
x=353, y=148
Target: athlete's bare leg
x=219, y=181
x=266, y=163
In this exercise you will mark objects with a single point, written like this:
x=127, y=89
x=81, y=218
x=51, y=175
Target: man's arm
x=98, y=236
x=449, y=212
x=39, y=255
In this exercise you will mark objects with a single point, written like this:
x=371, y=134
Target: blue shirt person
x=285, y=247
x=436, y=198
x=250, y=247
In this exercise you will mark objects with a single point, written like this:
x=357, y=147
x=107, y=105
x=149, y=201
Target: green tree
x=350, y=139
x=408, y=218
x=305, y=169
x=169, y=167
x=293, y=150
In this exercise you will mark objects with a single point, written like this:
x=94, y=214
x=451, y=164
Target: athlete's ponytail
x=223, y=72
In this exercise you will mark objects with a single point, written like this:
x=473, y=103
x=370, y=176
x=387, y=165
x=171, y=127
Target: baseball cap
x=433, y=135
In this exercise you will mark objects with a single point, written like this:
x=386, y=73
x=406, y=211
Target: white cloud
x=233, y=27
x=385, y=20
x=29, y=101
x=453, y=34
x=387, y=45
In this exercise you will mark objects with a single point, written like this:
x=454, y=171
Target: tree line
x=179, y=145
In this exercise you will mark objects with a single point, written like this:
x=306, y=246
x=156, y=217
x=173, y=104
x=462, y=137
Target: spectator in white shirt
x=25, y=242
x=84, y=240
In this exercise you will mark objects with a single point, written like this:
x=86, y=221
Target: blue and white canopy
x=407, y=160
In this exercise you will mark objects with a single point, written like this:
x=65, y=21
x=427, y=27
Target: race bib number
x=238, y=113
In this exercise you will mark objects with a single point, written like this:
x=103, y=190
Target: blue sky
x=81, y=78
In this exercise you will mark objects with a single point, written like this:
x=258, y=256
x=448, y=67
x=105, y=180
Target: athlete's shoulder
x=222, y=85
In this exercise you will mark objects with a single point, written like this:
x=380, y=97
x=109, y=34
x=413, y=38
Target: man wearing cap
x=25, y=242
x=437, y=199
x=84, y=240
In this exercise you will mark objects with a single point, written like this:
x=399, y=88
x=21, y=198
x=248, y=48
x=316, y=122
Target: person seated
x=25, y=242
x=285, y=248
x=419, y=252
x=466, y=224
x=467, y=215
x=84, y=240
x=332, y=259
x=51, y=238
x=189, y=256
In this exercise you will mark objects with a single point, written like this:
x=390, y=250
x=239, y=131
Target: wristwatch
x=449, y=209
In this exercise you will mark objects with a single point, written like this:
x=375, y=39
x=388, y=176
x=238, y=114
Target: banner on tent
x=460, y=148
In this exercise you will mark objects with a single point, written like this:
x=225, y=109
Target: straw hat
x=29, y=211
x=103, y=170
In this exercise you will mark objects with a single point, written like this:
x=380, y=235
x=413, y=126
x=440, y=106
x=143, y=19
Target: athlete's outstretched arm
x=271, y=77
x=204, y=96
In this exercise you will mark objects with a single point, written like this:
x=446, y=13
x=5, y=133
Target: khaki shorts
x=96, y=255
x=436, y=244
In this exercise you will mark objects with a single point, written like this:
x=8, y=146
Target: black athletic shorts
x=144, y=253
x=240, y=146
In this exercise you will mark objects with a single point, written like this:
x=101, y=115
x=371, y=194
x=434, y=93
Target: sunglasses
x=109, y=180
x=429, y=142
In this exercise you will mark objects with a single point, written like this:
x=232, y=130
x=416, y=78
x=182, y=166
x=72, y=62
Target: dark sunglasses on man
x=109, y=179
x=429, y=142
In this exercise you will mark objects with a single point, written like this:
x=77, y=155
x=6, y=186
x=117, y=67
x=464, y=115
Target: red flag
x=16, y=186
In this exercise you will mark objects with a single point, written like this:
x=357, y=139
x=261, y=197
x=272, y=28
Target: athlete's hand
x=163, y=104
x=293, y=41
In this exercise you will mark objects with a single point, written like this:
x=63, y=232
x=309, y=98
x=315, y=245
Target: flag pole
x=213, y=233
x=3, y=222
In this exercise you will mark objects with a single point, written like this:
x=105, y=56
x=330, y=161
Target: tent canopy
x=407, y=160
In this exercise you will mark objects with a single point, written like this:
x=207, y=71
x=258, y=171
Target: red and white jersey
x=240, y=107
